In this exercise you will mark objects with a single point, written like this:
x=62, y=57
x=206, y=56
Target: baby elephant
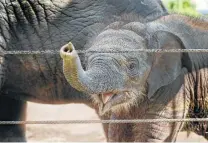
x=127, y=82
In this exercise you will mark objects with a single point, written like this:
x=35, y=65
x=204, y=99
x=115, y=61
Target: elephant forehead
x=118, y=40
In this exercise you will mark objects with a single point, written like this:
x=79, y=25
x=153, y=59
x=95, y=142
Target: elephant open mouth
x=112, y=100
x=107, y=97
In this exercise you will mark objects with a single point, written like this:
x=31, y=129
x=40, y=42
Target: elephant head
x=117, y=78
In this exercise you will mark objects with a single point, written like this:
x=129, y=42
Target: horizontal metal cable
x=141, y=121
x=106, y=51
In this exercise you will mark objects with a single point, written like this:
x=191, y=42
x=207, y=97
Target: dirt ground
x=73, y=132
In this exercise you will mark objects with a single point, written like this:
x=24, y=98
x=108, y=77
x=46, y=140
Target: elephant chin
x=114, y=101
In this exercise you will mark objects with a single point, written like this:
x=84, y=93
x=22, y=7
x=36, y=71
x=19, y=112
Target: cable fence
x=135, y=121
x=107, y=51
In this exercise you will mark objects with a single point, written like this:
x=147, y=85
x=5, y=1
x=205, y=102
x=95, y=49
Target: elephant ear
x=166, y=67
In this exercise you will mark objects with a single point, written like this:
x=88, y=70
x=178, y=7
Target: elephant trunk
x=72, y=68
x=98, y=79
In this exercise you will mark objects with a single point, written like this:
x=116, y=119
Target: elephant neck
x=18, y=23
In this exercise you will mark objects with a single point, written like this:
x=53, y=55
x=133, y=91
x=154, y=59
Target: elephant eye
x=133, y=67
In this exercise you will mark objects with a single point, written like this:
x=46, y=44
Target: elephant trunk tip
x=67, y=51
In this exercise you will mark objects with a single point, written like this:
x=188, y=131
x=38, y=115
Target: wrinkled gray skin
x=146, y=85
x=47, y=25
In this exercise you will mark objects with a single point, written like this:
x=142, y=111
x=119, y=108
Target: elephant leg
x=12, y=110
x=176, y=108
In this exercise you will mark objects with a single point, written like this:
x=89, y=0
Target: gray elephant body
x=140, y=85
x=34, y=25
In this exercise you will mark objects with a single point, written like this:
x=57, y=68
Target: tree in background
x=181, y=6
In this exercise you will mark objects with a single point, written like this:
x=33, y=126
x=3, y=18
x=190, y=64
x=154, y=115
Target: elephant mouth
x=112, y=100
x=106, y=97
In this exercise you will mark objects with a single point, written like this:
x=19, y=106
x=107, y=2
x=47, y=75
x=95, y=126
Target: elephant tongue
x=106, y=97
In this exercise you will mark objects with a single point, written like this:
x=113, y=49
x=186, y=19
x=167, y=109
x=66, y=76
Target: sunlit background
x=190, y=7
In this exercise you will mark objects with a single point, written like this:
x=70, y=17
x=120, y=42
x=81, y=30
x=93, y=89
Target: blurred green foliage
x=181, y=6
